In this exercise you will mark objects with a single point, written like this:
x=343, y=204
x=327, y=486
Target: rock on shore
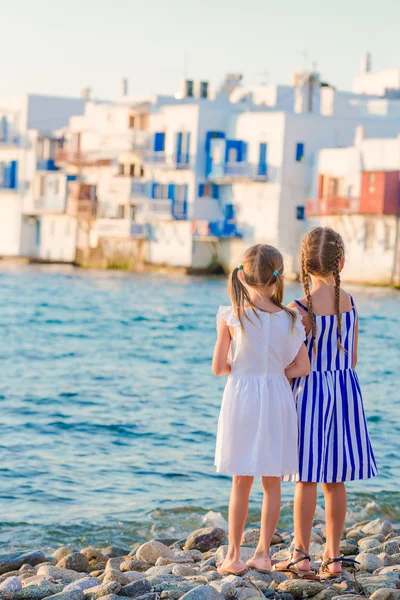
x=164, y=569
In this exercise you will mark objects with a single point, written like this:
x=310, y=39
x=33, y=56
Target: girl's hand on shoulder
x=300, y=367
x=220, y=364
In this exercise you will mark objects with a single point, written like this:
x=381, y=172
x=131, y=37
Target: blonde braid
x=305, y=280
x=336, y=276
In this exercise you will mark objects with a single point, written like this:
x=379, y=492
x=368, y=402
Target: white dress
x=257, y=427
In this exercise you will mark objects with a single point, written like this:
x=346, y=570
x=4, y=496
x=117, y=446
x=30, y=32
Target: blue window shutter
x=242, y=152
x=299, y=152
x=201, y=190
x=179, y=137
x=171, y=191
x=159, y=141
x=13, y=174
x=153, y=190
x=229, y=212
x=214, y=191
x=262, y=160
x=187, y=148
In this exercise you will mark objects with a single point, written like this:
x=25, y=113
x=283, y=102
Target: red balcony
x=332, y=205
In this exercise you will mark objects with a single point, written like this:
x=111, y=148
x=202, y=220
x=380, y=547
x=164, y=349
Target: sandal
x=292, y=568
x=325, y=573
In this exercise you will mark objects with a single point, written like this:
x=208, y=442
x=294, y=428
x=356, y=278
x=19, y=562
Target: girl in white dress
x=259, y=346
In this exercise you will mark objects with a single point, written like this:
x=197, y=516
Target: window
x=133, y=212
x=207, y=190
x=120, y=169
x=371, y=183
x=369, y=235
x=132, y=170
x=160, y=191
x=388, y=237
x=300, y=152
x=141, y=171
x=121, y=211
x=131, y=122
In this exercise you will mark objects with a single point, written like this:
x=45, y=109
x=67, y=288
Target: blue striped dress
x=334, y=444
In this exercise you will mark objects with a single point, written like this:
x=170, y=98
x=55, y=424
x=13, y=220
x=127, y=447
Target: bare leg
x=238, y=509
x=305, y=502
x=335, y=509
x=270, y=514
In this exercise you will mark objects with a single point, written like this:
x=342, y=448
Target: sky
x=61, y=46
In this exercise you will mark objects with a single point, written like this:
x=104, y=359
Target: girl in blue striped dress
x=334, y=444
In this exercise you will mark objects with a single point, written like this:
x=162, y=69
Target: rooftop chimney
x=366, y=63
x=86, y=93
x=124, y=87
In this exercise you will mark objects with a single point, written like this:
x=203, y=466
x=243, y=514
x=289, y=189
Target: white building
x=357, y=192
x=196, y=178
x=32, y=189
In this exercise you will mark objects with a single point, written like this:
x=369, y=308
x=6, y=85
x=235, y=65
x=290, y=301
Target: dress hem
x=257, y=474
x=296, y=479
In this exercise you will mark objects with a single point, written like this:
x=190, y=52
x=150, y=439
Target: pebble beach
x=186, y=568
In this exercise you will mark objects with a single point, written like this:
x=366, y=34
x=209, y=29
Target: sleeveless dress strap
x=301, y=305
x=352, y=301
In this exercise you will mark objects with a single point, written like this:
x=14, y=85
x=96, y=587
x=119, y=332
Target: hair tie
x=240, y=268
x=276, y=272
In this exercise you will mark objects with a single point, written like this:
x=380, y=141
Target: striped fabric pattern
x=334, y=444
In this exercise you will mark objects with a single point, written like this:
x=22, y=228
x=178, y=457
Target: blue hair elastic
x=275, y=272
x=240, y=268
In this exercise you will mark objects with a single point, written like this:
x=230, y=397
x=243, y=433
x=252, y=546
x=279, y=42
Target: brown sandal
x=325, y=573
x=291, y=566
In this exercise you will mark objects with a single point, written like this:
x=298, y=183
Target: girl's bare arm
x=220, y=364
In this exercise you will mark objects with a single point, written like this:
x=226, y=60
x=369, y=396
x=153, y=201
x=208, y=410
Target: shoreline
x=217, y=271
x=173, y=568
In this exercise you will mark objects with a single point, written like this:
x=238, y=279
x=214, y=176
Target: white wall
x=58, y=238
x=170, y=243
x=10, y=223
x=370, y=254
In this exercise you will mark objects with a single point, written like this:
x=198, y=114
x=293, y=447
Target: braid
x=305, y=279
x=336, y=276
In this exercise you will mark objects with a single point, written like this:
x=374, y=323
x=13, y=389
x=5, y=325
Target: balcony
x=139, y=188
x=82, y=159
x=82, y=200
x=238, y=172
x=155, y=210
x=216, y=229
x=46, y=165
x=332, y=205
x=160, y=159
x=139, y=140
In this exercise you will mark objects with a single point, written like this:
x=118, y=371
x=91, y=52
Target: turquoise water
x=109, y=408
